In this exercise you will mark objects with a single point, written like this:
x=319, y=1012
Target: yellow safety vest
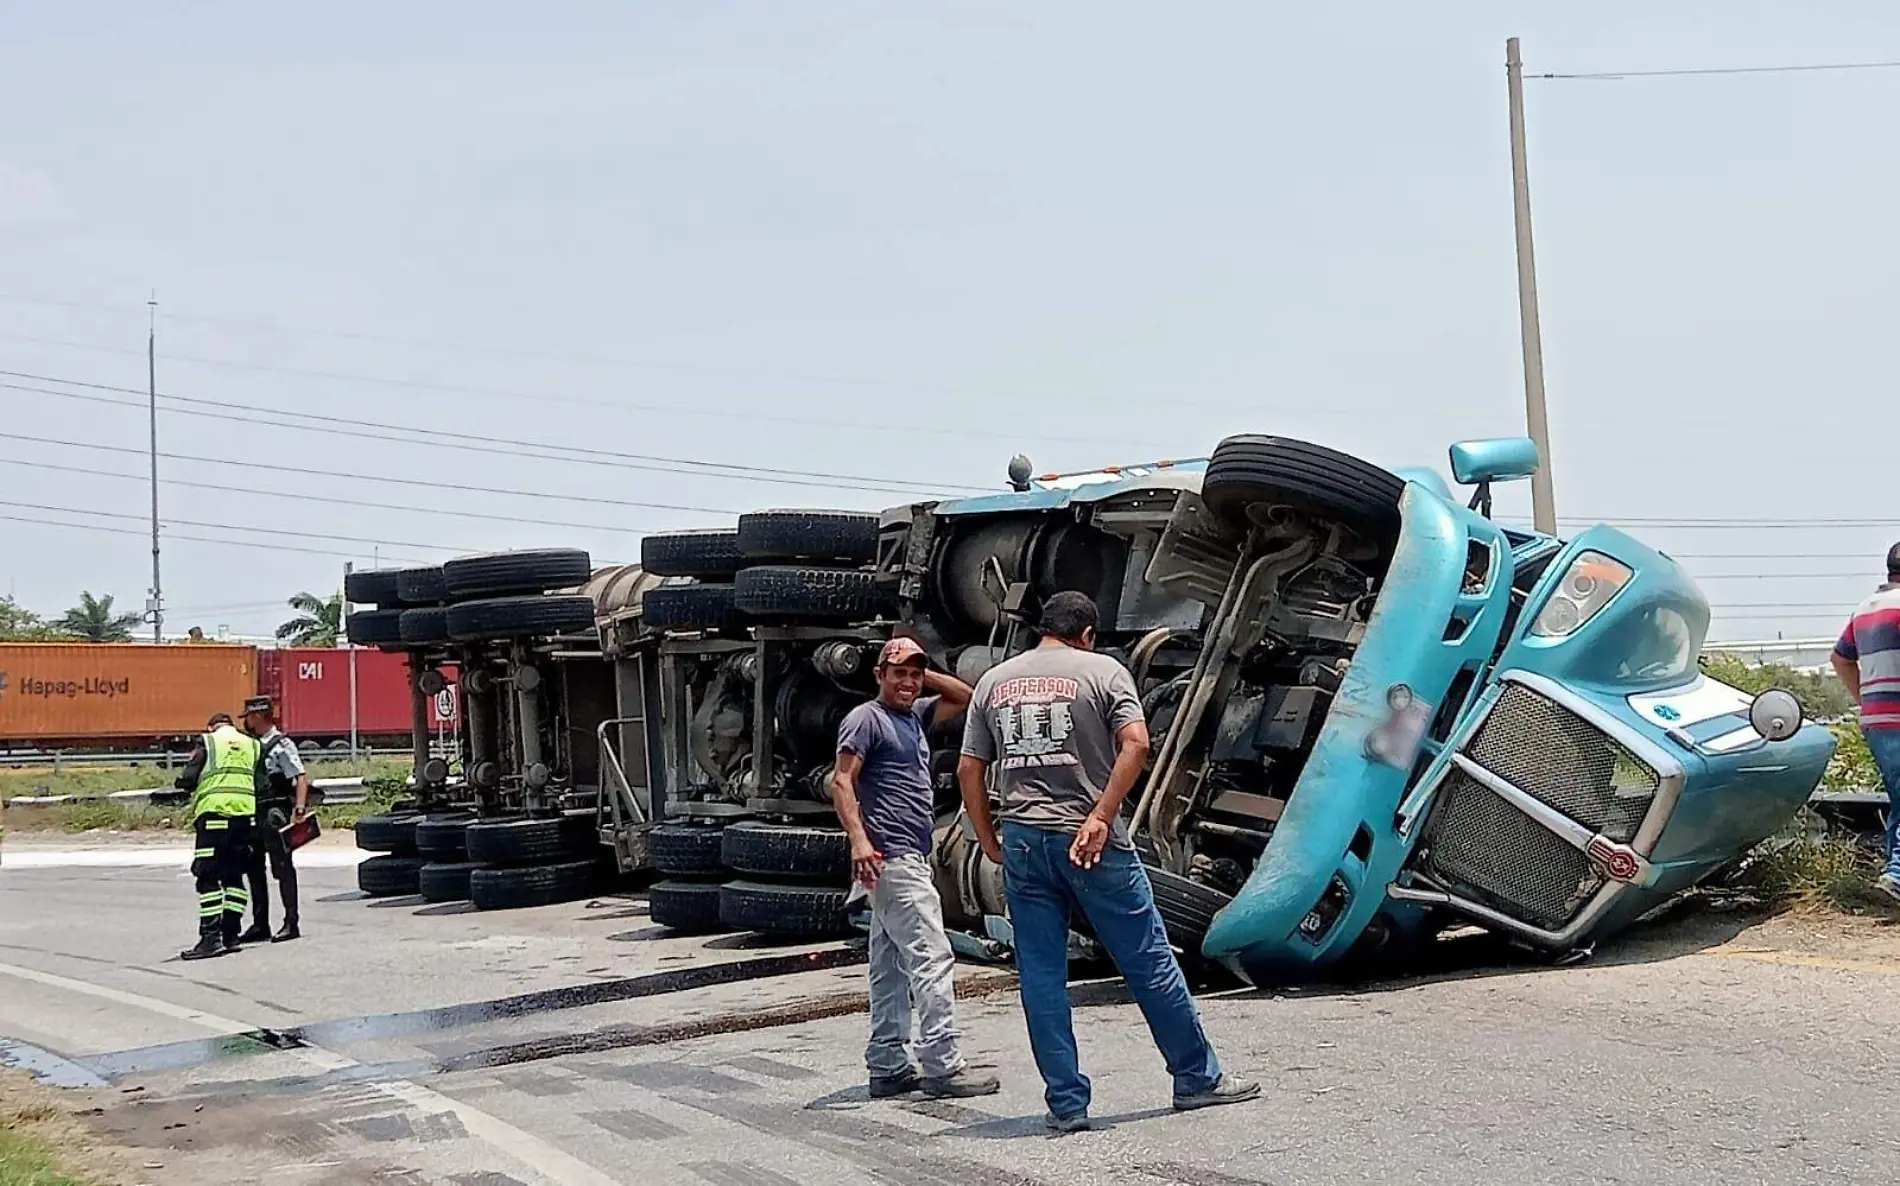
x=228, y=785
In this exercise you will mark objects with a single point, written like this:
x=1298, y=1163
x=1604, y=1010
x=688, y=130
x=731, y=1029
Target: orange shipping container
x=113, y=693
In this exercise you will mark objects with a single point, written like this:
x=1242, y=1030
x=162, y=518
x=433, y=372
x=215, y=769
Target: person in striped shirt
x=1867, y=658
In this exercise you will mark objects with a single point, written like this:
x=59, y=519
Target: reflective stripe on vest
x=228, y=785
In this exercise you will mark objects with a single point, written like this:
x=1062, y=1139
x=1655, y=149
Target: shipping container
x=99, y=695
x=311, y=686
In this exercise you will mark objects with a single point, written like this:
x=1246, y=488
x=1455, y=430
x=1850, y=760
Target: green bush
x=1853, y=766
x=1807, y=866
x=379, y=795
x=1821, y=695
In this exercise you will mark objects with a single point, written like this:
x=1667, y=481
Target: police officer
x=282, y=799
x=224, y=774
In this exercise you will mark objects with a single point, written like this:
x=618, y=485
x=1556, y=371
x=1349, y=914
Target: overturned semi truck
x=1375, y=711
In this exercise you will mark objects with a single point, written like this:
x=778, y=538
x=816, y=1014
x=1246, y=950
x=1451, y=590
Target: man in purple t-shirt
x=882, y=790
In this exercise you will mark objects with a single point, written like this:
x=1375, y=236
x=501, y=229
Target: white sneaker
x=1889, y=885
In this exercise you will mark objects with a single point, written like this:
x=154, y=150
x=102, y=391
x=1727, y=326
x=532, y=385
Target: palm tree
x=318, y=622
x=93, y=621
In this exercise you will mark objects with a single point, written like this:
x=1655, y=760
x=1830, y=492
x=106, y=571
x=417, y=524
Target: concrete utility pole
x=343, y=619
x=1536, y=417
x=156, y=608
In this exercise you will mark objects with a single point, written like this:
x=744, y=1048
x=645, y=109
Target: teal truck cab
x=1376, y=712
x=1515, y=730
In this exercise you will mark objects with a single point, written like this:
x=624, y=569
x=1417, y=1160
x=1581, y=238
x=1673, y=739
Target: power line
x=1768, y=555
x=352, y=539
x=394, y=481
x=301, y=497
x=483, y=443
x=1782, y=576
x=235, y=543
x=675, y=408
x=1719, y=524
x=907, y=387
x=1618, y=75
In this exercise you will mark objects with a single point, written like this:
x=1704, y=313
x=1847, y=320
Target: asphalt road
x=373, y=1051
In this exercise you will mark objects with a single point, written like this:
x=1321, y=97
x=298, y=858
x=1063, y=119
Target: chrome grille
x=1480, y=846
x=1552, y=753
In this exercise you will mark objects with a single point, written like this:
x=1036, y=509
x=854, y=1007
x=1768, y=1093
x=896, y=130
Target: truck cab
x=1503, y=729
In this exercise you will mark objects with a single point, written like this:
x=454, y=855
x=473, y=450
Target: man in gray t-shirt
x=1060, y=730
x=1047, y=723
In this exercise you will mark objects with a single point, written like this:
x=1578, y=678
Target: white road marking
x=533, y=1153
x=153, y=857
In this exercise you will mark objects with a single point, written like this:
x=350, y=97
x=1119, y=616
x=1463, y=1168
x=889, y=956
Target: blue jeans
x=1044, y=889
x=1884, y=744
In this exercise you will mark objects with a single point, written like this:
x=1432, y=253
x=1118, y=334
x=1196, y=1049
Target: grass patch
x=37, y=1139
x=24, y=1161
x=380, y=795
x=1808, y=868
x=93, y=811
x=98, y=780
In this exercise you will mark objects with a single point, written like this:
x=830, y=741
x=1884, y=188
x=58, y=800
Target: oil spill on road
x=47, y=1067
x=601, y=1041
x=376, y=1027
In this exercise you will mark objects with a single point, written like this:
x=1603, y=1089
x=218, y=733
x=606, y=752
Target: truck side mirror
x=1500, y=459
x=1775, y=714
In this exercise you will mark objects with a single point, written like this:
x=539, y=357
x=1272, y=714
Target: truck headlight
x=1585, y=588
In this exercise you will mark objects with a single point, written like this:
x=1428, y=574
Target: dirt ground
x=61, y=1122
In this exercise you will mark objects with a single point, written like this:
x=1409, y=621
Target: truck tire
x=421, y=586
x=832, y=594
x=806, y=911
x=392, y=834
x=689, y=907
x=532, y=885
x=783, y=850
x=808, y=537
x=510, y=842
x=1251, y=471
x=376, y=586
x=443, y=837
x=690, y=607
x=427, y=626
x=445, y=881
x=708, y=555
x=389, y=877
x=374, y=627
x=684, y=850
x=502, y=574
x=520, y=617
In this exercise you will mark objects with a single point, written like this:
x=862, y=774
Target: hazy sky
x=900, y=242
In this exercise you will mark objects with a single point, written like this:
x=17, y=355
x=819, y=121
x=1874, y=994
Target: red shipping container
x=311, y=686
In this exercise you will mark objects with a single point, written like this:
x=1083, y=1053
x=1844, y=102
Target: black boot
x=259, y=933
x=288, y=933
x=209, y=947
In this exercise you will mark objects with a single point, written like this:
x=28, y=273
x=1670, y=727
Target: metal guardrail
x=169, y=759
x=335, y=791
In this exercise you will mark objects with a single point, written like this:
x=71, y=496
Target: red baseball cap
x=899, y=651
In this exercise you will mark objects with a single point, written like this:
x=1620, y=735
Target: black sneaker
x=960, y=1084
x=884, y=1087
x=210, y=947
x=1063, y=1125
x=260, y=933
x=288, y=933
x=1228, y=1091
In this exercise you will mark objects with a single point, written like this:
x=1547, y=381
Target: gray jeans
x=912, y=966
